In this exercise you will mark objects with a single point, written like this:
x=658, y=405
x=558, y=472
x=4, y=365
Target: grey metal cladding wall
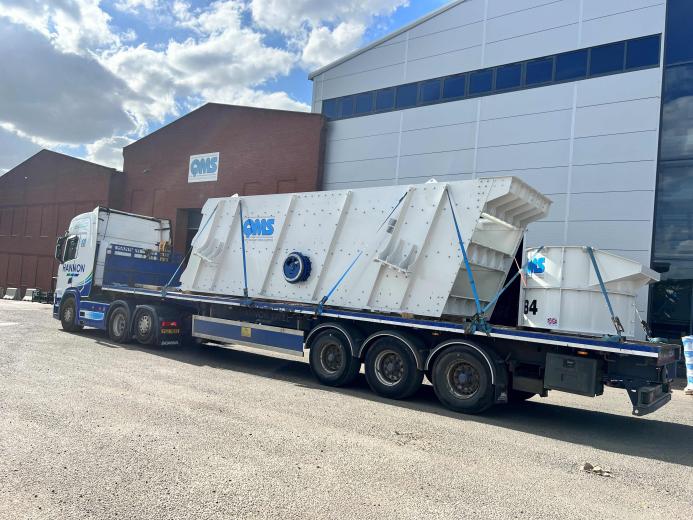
x=590, y=145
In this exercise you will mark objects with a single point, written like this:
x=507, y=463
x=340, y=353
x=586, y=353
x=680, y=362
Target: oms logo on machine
x=258, y=228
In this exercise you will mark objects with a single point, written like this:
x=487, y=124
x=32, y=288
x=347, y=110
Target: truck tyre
x=144, y=326
x=462, y=380
x=68, y=315
x=119, y=325
x=391, y=369
x=331, y=359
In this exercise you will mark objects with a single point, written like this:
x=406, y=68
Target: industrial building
x=588, y=101
x=38, y=199
x=244, y=150
x=214, y=151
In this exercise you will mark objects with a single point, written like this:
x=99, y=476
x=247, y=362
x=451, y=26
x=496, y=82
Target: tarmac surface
x=92, y=429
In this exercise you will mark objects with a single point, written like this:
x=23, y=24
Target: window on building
x=364, y=103
x=481, y=82
x=329, y=108
x=508, y=76
x=607, y=59
x=643, y=52
x=677, y=118
x=385, y=99
x=454, y=86
x=678, y=41
x=539, y=71
x=571, y=65
x=346, y=106
x=430, y=91
x=406, y=95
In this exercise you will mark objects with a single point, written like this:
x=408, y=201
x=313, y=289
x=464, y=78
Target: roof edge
x=64, y=155
x=208, y=104
x=385, y=38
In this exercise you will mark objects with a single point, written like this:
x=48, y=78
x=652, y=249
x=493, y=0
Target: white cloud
x=60, y=97
x=323, y=30
x=290, y=16
x=78, y=80
x=14, y=148
x=108, y=151
x=71, y=25
x=325, y=46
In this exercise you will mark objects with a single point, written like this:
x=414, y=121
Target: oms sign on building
x=203, y=167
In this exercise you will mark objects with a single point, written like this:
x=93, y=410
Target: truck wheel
x=145, y=326
x=391, y=369
x=462, y=381
x=68, y=315
x=118, y=325
x=331, y=360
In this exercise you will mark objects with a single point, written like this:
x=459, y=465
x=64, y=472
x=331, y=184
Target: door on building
x=193, y=221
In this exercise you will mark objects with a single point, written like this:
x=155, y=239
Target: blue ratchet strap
x=245, y=272
x=479, y=311
x=615, y=320
x=334, y=287
x=341, y=278
x=499, y=293
x=168, y=284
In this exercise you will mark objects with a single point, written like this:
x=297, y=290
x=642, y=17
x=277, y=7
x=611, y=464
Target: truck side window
x=60, y=248
x=71, y=246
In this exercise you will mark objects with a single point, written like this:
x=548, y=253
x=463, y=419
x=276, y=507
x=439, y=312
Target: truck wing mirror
x=60, y=248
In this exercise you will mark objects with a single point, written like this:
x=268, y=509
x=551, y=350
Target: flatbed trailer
x=110, y=281
x=471, y=371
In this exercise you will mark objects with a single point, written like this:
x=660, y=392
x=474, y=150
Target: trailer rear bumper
x=648, y=399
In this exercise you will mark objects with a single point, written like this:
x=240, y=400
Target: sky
x=87, y=77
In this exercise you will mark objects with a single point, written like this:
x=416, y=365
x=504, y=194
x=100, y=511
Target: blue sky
x=96, y=75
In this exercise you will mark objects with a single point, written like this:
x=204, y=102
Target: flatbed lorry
x=118, y=273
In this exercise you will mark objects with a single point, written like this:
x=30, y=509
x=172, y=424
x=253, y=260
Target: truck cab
x=109, y=247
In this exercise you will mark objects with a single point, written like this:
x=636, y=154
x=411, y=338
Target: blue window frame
x=611, y=58
x=643, y=52
x=329, y=108
x=607, y=59
x=481, y=82
x=385, y=99
x=571, y=65
x=364, y=103
x=539, y=71
x=509, y=76
x=346, y=106
x=406, y=95
x=455, y=86
x=430, y=91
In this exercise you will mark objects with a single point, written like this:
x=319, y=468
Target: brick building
x=38, y=198
x=257, y=151
x=214, y=151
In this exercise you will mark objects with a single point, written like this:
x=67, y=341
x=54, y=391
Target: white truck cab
x=83, y=249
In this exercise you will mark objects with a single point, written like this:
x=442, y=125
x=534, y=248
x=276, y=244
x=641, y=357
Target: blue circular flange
x=296, y=267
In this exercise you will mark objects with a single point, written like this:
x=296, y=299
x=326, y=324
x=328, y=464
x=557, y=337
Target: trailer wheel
x=331, y=360
x=68, y=315
x=118, y=325
x=145, y=326
x=391, y=369
x=462, y=381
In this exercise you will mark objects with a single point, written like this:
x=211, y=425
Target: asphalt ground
x=92, y=429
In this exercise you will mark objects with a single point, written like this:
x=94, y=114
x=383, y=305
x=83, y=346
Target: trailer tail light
x=169, y=323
